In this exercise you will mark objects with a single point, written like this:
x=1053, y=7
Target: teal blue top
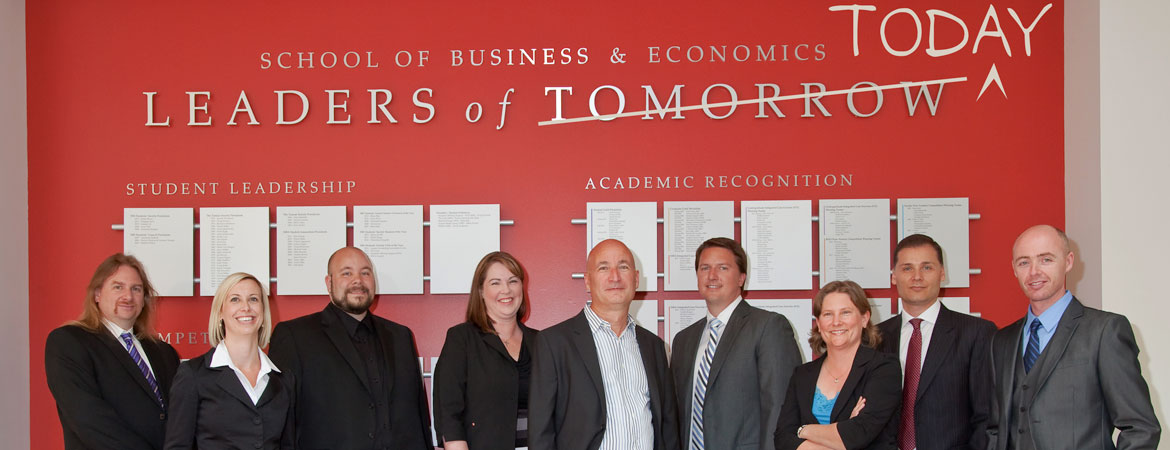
x=822, y=407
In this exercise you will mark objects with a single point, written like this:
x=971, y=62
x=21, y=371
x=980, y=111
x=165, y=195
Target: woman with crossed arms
x=851, y=396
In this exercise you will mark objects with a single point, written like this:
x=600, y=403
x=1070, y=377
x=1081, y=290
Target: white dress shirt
x=117, y=331
x=724, y=316
x=929, y=318
x=221, y=358
x=629, y=424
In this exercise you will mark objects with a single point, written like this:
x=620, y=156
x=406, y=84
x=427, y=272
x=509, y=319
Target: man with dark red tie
x=109, y=373
x=944, y=354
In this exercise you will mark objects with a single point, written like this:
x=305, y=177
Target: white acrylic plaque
x=681, y=314
x=306, y=236
x=946, y=221
x=393, y=238
x=460, y=236
x=855, y=242
x=636, y=225
x=686, y=226
x=645, y=314
x=164, y=240
x=777, y=237
x=232, y=240
x=799, y=315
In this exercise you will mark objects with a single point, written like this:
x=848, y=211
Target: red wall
x=89, y=64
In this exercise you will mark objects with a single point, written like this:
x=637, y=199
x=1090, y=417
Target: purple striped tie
x=142, y=366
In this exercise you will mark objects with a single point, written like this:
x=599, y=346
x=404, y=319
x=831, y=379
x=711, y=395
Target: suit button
x=1022, y=431
x=1023, y=409
x=371, y=406
x=162, y=416
x=257, y=445
x=371, y=435
x=256, y=420
x=1025, y=387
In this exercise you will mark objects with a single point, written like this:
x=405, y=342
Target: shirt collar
x=117, y=330
x=597, y=323
x=349, y=322
x=929, y=316
x=725, y=315
x=221, y=358
x=1050, y=318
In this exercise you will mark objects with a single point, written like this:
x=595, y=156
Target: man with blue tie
x=1066, y=376
x=107, y=370
x=731, y=368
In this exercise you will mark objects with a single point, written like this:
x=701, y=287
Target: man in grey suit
x=731, y=368
x=1065, y=376
x=600, y=382
x=943, y=355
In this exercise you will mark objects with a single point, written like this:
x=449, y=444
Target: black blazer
x=102, y=398
x=954, y=392
x=876, y=376
x=211, y=410
x=333, y=409
x=566, y=407
x=476, y=388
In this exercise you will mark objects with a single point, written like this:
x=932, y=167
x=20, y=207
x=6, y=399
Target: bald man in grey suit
x=733, y=401
x=1065, y=376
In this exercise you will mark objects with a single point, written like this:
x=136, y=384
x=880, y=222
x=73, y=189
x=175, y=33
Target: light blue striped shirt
x=629, y=424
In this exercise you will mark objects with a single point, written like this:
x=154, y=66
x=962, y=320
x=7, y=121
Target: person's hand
x=857, y=409
x=455, y=445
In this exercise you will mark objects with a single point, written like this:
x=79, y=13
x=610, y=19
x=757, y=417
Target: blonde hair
x=91, y=315
x=215, y=327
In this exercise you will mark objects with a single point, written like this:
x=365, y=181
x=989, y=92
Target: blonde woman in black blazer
x=233, y=396
x=481, y=379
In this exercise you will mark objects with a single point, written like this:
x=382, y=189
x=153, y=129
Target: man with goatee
x=358, y=379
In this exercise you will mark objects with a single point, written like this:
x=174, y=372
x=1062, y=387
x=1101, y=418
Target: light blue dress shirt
x=1049, y=319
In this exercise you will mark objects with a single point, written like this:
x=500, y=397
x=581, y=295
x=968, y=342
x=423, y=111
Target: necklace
x=836, y=379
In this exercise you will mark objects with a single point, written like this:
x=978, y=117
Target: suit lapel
x=493, y=341
x=1006, y=346
x=942, y=342
x=163, y=372
x=587, y=351
x=864, y=354
x=275, y=385
x=682, y=361
x=384, y=336
x=122, y=355
x=646, y=350
x=1052, y=352
x=892, y=335
x=335, y=330
x=230, y=383
x=727, y=341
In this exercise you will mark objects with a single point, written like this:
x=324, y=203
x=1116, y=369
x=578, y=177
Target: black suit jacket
x=102, y=398
x=748, y=379
x=210, y=409
x=1089, y=382
x=953, y=389
x=333, y=409
x=567, y=400
x=476, y=388
x=876, y=376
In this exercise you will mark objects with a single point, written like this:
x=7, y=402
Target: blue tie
x=700, y=394
x=142, y=366
x=1033, y=346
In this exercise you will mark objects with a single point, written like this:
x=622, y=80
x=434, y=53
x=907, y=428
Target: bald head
x=1041, y=260
x=350, y=281
x=611, y=273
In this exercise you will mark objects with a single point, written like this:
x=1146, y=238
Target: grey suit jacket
x=953, y=390
x=566, y=403
x=749, y=377
x=1089, y=383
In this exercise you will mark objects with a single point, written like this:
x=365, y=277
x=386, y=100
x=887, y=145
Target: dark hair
x=870, y=337
x=917, y=240
x=91, y=315
x=727, y=243
x=476, y=310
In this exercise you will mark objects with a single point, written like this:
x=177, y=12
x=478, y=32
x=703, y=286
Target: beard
x=354, y=306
